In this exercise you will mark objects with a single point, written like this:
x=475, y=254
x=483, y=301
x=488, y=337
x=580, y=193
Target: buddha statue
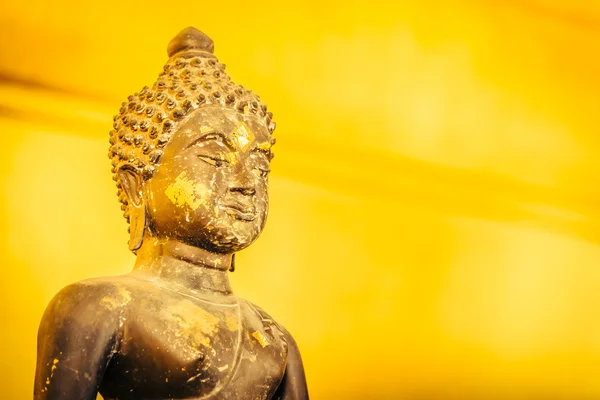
x=190, y=157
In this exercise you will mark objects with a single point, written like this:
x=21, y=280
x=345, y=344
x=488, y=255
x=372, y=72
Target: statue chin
x=223, y=237
x=231, y=238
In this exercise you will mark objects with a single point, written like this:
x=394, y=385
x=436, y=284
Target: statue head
x=191, y=154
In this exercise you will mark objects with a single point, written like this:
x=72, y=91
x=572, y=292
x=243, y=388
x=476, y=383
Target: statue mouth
x=239, y=211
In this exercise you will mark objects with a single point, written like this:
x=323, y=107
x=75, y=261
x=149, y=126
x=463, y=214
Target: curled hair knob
x=189, y=42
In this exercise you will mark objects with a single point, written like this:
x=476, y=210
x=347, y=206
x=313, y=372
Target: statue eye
x=261, y=172
x=215, y=161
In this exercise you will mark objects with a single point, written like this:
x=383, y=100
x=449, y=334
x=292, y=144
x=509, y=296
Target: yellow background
x=435, y=222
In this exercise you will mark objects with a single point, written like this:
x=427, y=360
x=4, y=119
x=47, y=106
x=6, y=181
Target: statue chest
x=191, y=349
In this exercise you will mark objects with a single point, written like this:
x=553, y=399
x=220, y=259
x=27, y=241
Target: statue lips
x=239, y=210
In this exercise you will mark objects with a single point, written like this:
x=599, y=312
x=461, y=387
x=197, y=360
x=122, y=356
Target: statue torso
x=181, y=344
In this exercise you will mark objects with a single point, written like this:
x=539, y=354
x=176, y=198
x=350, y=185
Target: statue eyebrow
x=260, y=149
x=264, y=147
x=212, y=135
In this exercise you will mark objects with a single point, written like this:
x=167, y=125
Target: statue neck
x=178, y=263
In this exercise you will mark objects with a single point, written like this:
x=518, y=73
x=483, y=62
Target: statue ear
x=131, y=182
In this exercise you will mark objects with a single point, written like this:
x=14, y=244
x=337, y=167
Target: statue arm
x=76, y=339
x=293, y=386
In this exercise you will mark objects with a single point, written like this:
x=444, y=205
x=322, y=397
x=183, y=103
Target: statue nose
x=242, y=181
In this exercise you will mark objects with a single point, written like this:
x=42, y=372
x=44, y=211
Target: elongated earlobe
x=232, y=266
x=132, y=185
x=137, y=226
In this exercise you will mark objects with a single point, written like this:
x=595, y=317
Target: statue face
x=210, y=189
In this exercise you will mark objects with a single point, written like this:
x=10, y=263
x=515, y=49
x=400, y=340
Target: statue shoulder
x=89, y=301
x=267, y=319
x=78, y=334
x=259, y=312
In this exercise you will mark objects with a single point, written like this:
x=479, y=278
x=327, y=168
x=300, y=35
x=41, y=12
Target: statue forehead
x=241, y=127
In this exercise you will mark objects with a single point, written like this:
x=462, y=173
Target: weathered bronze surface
x=191, y=160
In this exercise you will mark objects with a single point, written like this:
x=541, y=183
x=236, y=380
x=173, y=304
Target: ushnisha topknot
x=191, y=78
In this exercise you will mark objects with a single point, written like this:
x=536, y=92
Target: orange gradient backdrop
x=435, y=223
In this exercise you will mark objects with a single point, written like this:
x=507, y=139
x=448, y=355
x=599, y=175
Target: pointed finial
x=191, y=40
